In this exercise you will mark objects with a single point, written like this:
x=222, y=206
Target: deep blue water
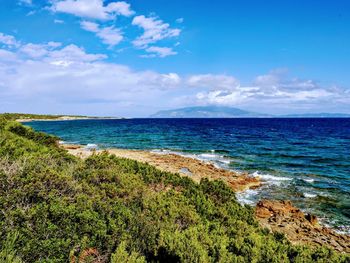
x=304, y=160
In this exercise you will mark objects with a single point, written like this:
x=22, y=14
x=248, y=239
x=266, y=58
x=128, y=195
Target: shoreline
x=175, y=163
x=276, y=216
x=69, y=118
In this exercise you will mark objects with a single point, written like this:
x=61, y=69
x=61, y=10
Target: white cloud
x=271, y=92
x=54, y=44
x=220, y=97
x=212, y=81
x=26, y=2
x=30, y=13
x=278, y=80
x=109, y=35
x=160, y=51
x=67, y=79
x=8, y=40
x=94, y=9
x=120, y=8
x=58, y=21
x=38, y=50
x=7, y=56
x=51, y=78
x=180, y=20
x=34, y=50
x=89, y=26
x=73, y=53
x=154, y=30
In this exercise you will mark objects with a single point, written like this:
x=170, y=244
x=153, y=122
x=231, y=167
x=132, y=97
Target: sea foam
x=309, y=180
x=271, y=178
x=91, y=146
x=309, y=195
x=247, y=197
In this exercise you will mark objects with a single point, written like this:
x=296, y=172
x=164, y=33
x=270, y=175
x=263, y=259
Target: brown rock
x=283, y=217
x=70, y=146
x=312, y=219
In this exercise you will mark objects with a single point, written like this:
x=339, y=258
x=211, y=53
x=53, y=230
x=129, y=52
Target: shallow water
x=304, y=160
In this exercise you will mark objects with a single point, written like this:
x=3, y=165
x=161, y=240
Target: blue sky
x=136, y=57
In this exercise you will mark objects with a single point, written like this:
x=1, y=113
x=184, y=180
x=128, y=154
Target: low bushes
x=57, y=208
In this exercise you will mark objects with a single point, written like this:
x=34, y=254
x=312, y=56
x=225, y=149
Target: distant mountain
x=229, y=112
x=207, y=112
x=317, y=115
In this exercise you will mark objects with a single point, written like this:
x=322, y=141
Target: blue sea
x=303, y=160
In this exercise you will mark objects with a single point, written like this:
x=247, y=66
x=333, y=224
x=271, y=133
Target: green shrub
x=29, y=133
x=55, y=208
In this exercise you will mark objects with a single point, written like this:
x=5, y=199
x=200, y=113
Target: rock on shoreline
x=185, y=166
x=299, y=228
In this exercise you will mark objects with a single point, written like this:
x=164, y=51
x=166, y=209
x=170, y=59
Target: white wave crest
x=309, y=180
x=247, y=197
x=271, y=178
x=91, y=146
x=208, y=156
x=309, y=195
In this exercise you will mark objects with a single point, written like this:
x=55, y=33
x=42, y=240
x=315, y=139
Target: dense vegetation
x=57, y=208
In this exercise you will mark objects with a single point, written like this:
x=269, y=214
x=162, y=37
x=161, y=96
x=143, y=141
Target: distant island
x=317, y=115
x=230, y=112
x=208, y=112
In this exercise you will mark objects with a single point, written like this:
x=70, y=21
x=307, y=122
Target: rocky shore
x=174, y=163
x=277, y=216
x=299, y=228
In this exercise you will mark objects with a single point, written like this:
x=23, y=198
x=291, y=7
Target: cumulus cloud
x=154, y=30
x=7, y=56
x=109, y=35
x=55, y=78
x=38, y=50
x=212, y=81
x=73, y=54
x=63, y=77
x=94, y=9
x=160, y=52
x=270, y=92
x=8, y=40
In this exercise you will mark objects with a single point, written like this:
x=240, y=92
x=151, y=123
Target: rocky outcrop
x=299, y=228
x=185, y=166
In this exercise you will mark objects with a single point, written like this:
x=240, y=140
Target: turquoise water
x=303, y=160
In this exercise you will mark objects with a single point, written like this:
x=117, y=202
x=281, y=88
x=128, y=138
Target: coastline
x=69, y=118
x=174, y=163
x=276, y=216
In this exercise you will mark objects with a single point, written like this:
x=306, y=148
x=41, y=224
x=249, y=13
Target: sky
x=134, y=58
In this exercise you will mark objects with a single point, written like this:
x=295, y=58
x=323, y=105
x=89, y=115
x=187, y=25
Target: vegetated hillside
x=23, y=116
x=57, y=208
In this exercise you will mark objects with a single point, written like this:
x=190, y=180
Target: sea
x=303, y=160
